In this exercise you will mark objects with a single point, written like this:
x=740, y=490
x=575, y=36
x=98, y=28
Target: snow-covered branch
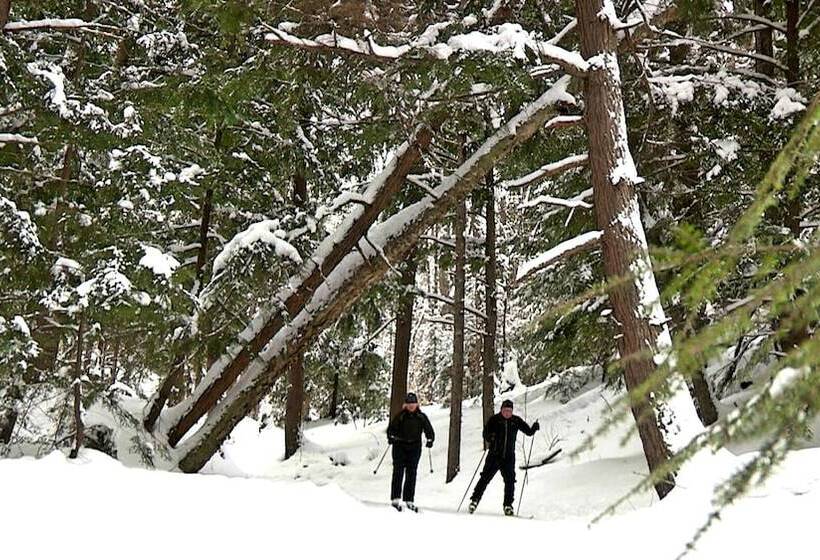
x=511, y=38
x=52, y=23
x=574, y=202
x=9, y=138
x=561, y=251
x=548, y=170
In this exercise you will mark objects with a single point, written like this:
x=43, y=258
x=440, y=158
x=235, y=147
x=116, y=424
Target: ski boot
x=396, y=504
x=471, y=508
x=412, y=507
x=508, y=511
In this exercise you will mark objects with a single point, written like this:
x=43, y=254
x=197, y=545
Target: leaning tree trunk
x=636, y=303
x=239, y=356
x=357, y=271
x=296, y=375
x=490, y=360
x=401, y=344
x=457, y=372
x=764, y=43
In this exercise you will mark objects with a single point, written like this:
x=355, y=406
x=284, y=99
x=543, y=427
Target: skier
x=404, y=434
x=499, y=437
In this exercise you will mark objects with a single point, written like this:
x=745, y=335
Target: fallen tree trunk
x=360, y=269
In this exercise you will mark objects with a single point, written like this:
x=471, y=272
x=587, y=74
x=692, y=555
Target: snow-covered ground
x=326, y=502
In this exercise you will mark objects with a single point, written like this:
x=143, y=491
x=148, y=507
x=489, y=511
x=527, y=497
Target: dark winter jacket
x=407, y=427
x=500, y=434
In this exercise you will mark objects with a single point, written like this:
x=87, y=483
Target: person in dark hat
x=404, y=434
x=499, y=437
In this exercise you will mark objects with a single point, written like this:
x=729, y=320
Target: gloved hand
x=536, y=426
x=391, y=440
x=429, y=443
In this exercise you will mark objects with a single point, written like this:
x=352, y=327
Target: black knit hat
x=507, y=404
x=411, y=398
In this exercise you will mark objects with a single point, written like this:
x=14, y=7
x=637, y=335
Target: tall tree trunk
x=115, y=359
x=333, y=408
x=490, y=360
x=293, y=405
x=77, y=389
x=792, y=42
x=296, y=374
x=401, y=343
x=636, y=304
x=457, y=373
x=763, y=38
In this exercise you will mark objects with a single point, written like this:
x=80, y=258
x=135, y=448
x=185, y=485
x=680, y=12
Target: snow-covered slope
x=95, y=507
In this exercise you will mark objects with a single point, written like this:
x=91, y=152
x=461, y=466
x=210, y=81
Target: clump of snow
x=19, y=324
x=266, y=232
x=125, y=204
x=162, y=264
x=188, y=174
x=789, y=102
x=784, y=378
x=727, y=148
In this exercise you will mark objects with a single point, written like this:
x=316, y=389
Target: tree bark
x=5, y=8
x=457, y=372
x=489, y=358
x=77, y=389
x=764, y=43
x=792, y=42
x=358, y=271
x=401, y=342
x=636, y=304
x=333, y=408
x=704, y=403
x=296, y=375
x=293, y=406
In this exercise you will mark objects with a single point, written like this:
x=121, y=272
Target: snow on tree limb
x=358, y=271
x=547, y=170
x=9, y=138
x=561, y=251
x=51, y=23
x=509, y=37
x=574, y=202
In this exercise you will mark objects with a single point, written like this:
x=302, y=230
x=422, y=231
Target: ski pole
x=526, y=474
x=471, y=481
x=382, y=459
x=430, y=456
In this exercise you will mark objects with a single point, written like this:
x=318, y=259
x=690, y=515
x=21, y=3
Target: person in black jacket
x=404, y=434
x=499, y=437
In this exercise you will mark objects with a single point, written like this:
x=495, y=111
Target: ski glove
x=429, y=443
x=391, y=440
x=536, y=426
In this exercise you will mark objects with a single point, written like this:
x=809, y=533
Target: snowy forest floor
x=326, y=501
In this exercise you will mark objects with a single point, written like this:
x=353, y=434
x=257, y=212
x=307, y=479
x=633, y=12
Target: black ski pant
x=492, y=465
x=405, y=465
